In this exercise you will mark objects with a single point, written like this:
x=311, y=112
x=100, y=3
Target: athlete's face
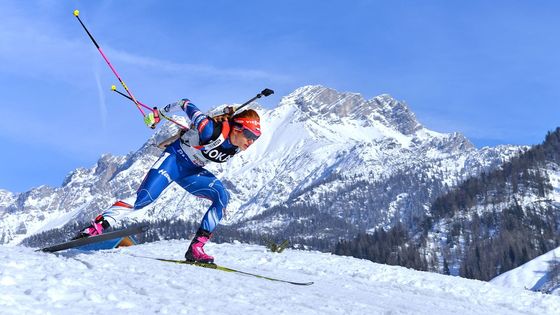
x=239, y=140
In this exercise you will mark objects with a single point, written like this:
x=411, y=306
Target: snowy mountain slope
x=116, y=282
x=533, y=275
x=317, y=144
x=6, y=198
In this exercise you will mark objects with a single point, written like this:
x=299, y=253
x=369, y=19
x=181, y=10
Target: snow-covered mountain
x=328, y=164
x=120, y=282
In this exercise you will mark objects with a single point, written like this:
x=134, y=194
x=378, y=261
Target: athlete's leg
x=204, y=184
x=162, y=173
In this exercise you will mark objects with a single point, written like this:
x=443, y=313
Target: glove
x=225, y=116
x=152, y=119
x=229, y=110
x=221, y=118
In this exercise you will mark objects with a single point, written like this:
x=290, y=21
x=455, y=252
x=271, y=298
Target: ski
x=95, y=239
x=226, y=269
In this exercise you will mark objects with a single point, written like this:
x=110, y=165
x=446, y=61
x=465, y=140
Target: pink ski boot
x=96, y=228
x=196, y=253
x=100, y=223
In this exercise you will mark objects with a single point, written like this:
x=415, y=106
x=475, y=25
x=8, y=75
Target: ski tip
x=76, y=12
x=44, y=250
x=303, y=283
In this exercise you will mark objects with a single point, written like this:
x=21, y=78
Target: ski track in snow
x=75, y=282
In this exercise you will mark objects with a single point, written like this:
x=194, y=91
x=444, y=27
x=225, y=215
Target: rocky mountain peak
x=327, y=103
x=394, y=113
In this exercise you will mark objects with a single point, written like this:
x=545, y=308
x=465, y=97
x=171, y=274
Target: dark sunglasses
x=249, y=134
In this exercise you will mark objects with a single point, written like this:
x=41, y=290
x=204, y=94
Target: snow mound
x=533, y=275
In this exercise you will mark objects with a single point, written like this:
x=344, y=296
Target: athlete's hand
x=152, y=119
x=228, y=111
x=221, y=118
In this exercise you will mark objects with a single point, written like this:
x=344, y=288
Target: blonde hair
x=249, y=113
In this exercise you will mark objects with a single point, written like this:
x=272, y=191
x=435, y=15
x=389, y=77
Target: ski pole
x=114, y=89
x=76, y=14
x=265, y=93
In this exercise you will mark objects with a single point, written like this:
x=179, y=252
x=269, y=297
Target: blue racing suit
x=183, y=160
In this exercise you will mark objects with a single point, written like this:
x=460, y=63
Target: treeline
x=514, y=236
x=391, y=247
x=169, y=229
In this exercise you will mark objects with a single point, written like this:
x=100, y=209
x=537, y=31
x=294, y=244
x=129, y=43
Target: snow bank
x=114, y=281
x=532, y=275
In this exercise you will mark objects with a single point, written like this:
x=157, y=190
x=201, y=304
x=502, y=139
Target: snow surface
x=532, y=275
x=114, y=281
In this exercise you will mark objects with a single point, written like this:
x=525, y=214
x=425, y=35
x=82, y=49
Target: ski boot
x=196, y=253
x=96, y=228
x=100, y=223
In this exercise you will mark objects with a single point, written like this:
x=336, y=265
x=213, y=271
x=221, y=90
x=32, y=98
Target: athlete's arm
x=200, y=121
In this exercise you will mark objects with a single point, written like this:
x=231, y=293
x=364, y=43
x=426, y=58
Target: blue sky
x=487, y=69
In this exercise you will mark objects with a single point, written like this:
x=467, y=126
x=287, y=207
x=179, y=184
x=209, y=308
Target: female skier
x=208, y=140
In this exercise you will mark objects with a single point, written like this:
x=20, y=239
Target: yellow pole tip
x=114, y=88
x=76, y=12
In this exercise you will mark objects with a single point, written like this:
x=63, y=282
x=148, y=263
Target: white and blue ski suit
x=183, y=160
